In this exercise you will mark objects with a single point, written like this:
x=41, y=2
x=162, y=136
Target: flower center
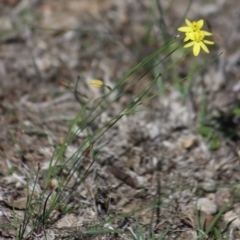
x=195, y=26
x=198, y=36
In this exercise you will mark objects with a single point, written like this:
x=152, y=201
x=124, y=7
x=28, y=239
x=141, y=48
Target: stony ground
x=154, y=166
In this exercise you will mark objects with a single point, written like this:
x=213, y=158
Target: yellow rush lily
x=195, y=35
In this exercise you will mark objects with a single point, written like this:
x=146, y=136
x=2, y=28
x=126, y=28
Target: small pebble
x=206, y=205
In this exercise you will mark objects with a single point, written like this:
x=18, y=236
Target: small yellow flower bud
x=96, y=83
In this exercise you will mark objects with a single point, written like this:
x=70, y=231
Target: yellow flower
x=198, y=42
x=96, y=83
x=192, y=27
x=189, y=35
x=195, y=35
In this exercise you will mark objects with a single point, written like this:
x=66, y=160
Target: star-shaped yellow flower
x=198, y=42
x=191, y=27
x=195, y=35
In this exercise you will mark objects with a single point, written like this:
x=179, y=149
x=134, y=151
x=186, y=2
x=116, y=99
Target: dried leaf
x=19, y=203
x=188, y=142
x=119, y=174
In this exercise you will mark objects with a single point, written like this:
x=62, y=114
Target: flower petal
x=196, y=49
x=184, y=29
x=186, y=39
x=207, y=33
x=204, y=47
x=190, y=35
x=188, y=23
x=208, y=42
x=189, y=44
x=200, y=23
